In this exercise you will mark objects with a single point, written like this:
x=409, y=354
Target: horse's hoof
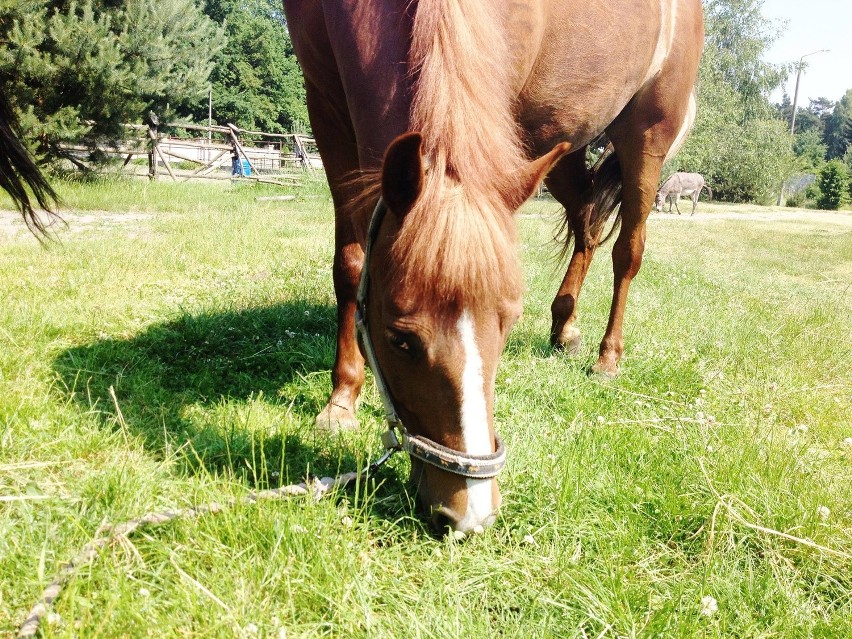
x=568, y=340
x=334, y=418
x=605, y=368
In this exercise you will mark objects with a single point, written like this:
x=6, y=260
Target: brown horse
x=18, y=172
x=453, y=111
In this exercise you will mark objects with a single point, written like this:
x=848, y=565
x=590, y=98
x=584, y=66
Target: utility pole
x=799, y=68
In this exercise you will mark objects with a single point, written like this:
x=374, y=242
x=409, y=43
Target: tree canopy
x=256, y=81
x=738, y=143
x=76, y=71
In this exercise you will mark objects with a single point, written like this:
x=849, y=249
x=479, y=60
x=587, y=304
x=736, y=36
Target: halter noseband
x=396, y=437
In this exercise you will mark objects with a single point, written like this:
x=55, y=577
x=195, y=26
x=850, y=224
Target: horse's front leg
x=336, y=141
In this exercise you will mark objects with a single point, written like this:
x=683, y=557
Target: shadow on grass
x=193, y=383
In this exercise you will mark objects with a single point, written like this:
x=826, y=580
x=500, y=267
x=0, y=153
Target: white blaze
x=476, y=438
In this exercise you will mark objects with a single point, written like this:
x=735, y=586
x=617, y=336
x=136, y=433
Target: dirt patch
x=765, y=214
x=711, y=211
x=12, y=224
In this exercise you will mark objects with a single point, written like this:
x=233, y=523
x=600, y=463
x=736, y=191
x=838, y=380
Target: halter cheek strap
x=396, y=437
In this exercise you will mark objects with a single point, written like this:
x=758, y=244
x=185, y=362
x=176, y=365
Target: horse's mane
x=18, y=171
x=456, y=246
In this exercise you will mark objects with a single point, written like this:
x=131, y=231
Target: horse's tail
x=18, y=171
x=709, y=192
x=606, y=197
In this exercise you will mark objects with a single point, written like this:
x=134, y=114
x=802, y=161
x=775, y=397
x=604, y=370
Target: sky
x=813, y=25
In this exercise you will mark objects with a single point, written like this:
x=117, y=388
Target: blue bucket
x=245, y=168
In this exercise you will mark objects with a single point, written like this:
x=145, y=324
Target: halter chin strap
x=396, y=437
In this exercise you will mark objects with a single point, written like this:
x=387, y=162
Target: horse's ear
x=402, y=173
x=535, y=172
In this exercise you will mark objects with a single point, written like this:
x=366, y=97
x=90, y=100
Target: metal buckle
x=390, y=440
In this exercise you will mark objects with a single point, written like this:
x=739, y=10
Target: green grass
x=211, y=318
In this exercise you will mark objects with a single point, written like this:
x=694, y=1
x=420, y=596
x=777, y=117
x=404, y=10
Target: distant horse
x=452, y=112
x=18, y=171
x=678, y=184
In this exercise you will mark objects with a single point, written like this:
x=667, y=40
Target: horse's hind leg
x=694, y=201
x=570, y=183
x=642, y=136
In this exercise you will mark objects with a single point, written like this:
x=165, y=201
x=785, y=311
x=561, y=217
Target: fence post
x=153, y=122
x=152, y=154
x=235, y=140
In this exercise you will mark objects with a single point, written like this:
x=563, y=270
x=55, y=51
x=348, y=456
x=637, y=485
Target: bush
x=833, y=183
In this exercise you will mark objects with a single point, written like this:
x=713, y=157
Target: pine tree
x=75, y=71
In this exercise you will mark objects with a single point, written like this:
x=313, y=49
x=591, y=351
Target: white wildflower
x=144, y=592
x=823, y=513
x=251, y=629
x=530, y=540
x=709, y=606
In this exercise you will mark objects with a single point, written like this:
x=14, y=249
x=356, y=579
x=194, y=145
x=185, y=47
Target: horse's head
x=659, y=201
x=443, y=290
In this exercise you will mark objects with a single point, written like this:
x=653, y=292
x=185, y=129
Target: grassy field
x=174, y=346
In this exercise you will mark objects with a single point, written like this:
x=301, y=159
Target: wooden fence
x=215, y=152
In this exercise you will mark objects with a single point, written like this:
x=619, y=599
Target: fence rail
x=220, y=152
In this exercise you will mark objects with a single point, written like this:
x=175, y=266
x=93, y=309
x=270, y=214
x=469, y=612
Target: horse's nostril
x=443, y=521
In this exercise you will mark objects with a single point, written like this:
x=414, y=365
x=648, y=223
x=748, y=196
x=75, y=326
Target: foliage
x=838, y=127
x=744, y=159
x=77, y=71
x=737, y=37
x=809, y=150
x=256, y=81
x=833, y=184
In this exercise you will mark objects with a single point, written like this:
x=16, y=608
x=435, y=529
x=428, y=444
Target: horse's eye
x=405, y=343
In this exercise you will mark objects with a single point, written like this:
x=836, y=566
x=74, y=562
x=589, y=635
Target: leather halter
x=396, y=437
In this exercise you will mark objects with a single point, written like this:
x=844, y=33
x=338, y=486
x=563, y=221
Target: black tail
x=18, y=171
x=709, y=192
x=606, y=197
x=605, y=186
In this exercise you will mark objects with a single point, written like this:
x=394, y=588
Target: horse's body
x=18, y=171
x=499, y=94
x=678, y=184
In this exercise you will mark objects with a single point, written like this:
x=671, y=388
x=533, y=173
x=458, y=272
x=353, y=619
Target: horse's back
x=575, y=64
x=596, y=57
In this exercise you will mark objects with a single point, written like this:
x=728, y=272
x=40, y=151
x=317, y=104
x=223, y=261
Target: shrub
x=833, y=183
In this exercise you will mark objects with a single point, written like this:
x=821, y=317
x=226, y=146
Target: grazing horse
x=452, y=112
x=678, y=184
x=18, y=171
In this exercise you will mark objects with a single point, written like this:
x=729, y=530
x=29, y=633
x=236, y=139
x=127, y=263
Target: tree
x=838, y=127
x=739, y=36
x=77, y=71
x=256, y=82
x=738, y=142
x=809, y=150
x=833, y=185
